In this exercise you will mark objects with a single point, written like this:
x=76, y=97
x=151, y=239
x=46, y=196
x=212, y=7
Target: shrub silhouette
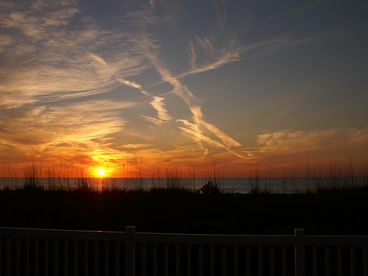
x=210, y=188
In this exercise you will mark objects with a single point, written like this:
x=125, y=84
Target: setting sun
x=101, y=172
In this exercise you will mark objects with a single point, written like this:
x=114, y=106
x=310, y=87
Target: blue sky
x=156, y=83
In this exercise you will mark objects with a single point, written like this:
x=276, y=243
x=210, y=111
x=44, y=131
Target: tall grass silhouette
x=305, y=180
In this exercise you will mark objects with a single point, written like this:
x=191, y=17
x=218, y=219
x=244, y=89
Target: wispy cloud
x=214, y=58
x=289, y=141
x=58, y=59
x=133, y=84
x=51, y=69
x=198, y=135
x=198, y=129
x=157, y=103
x=77, y=122
x=205, y=56
x=79, y=128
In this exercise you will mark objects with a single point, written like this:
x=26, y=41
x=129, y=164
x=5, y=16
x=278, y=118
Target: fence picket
x=26, y=252
x=327, y=261
x=66, y=258
x=85, y=258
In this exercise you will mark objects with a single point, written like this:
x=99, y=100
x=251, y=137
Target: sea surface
x=226, y=185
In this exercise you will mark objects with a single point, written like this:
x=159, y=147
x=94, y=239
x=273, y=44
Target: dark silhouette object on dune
x=210, y=189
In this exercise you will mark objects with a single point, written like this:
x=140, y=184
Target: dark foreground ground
x=332, y=212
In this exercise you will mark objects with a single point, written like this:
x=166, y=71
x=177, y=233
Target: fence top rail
x=62, y=234
x=176, y=238
x=147, y=236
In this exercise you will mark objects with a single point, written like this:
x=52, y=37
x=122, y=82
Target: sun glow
x=99, y=172
x=102, y=170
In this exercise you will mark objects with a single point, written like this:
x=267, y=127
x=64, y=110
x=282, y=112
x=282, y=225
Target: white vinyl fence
x=43, y=252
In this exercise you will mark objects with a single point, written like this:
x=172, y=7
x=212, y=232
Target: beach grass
x=335, y=211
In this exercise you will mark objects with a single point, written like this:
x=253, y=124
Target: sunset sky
x=183, y=84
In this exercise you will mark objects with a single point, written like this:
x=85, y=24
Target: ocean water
x=226, y=185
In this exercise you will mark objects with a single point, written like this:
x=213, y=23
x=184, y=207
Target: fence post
x=299, y=252
x=130, y=251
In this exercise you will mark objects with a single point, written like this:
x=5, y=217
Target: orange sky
x=182, y=86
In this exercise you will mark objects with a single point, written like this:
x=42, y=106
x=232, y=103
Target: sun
x=101, y=172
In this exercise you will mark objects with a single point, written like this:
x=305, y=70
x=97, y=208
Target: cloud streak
x=59, y=60
x=200, y=130
x=291, y=141
x=213, y=58
x=157, y=103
